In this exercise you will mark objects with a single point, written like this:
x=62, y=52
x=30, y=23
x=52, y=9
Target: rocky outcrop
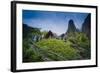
x=49, y=34
x=71, y=30
x=71, y=27
x=86, y=27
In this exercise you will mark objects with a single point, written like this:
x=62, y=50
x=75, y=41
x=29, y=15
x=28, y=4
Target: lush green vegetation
x=63, y=50
x=76, y=47
x=82, y=43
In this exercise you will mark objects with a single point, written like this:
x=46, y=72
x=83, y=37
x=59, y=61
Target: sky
x=57, y=22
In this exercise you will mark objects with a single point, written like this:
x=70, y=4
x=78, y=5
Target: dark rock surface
x=49, y=34
x=86, y=27
x=71, y=27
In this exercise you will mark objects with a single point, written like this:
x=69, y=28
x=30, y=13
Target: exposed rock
x=49, y=35
x=86, y=27
x=71, y=30
x=71, y=27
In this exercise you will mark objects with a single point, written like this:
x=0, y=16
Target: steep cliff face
x=71, y=27
x=86, y=27
x=70, y=31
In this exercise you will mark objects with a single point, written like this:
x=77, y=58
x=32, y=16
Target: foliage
x=29, y=54
x=59, y=47
x=44, y=33
x=76, y=46
x=81, y=41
